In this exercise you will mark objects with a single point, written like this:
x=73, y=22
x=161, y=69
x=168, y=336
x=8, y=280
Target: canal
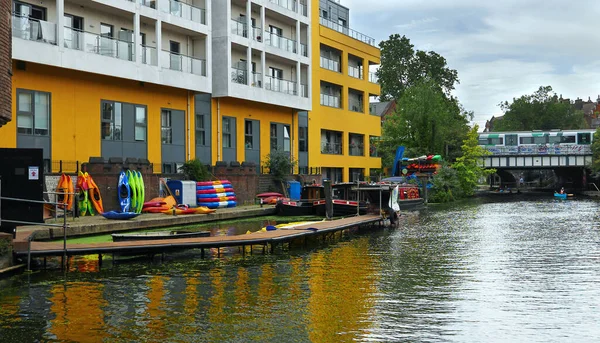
x=524, y=270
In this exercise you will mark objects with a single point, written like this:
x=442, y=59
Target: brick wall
x=5, y=62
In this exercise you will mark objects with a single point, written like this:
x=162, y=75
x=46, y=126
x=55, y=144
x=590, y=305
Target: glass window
x=583, y=138
x=568, y=139
x=140, y=124
x=273, y=136
x=286, y=138
x=248, y=134
x=24, y=102
x=166, y=129
x=200, y=131
x=302, y=137
x=526, y=140
x=373, y=146
x=118, y=121
x=33, y=113
x=227, y=133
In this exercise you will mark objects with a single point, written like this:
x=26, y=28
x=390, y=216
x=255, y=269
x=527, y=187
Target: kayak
x=214, y=190
x=225, y=198
x=562, y=196
x=142, y=192
x=209, y=183
x=124, y=192
x=132, y=179
x=65, y=185
x=201, y=188
x=269, y=194
x=154, y=204
x=94, y=194
x=220, y=204
x=215, y=195
x=119, y=215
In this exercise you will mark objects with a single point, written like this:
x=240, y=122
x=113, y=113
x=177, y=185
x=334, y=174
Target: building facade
x=342, y=85
x=172, y=80
x=5, y=62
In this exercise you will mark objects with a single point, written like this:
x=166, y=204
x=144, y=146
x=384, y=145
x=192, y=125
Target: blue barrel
x=294, y=190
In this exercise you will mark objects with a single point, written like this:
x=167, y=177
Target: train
x=537, y=138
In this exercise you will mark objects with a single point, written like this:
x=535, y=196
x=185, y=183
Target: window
x=286, y=138
x=106, y=30
x=583, y=138
x=302, y=139
x=175, y=58
x=273, y=137
x=324, y=14
x=227, y=133
x=166, y=127
x=248, y=134
x=29, y=11
x=140, y=124
x=276, y=30
x=342, y=22
x=373, y=146
x=111, y=120
x=33, y=113
x=74, y=25
x=200, y=130
x=276, y=73
x=568, y=139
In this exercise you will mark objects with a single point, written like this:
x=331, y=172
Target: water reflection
x=516, y=271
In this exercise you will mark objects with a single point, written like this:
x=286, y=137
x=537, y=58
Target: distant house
x=382, y=109
x=489, y=124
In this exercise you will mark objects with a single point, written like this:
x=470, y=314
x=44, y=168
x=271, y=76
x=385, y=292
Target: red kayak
x=159, y=209
x=230, y=198
x=212, y=183
x=154, y=204
x=269, y=194
x=215, y=190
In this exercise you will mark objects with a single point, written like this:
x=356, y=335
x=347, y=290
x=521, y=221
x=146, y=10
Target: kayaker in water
x=562, y=190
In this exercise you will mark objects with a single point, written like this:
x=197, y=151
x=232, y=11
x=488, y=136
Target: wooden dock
x=264, y=238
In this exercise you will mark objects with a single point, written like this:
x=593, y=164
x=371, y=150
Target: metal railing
x=98, y=44
x=309, y=170
x=60, y=166
x=356, y=149
x=280, y=42
x=239, y=75
x=149, y=55
x=257, y=33
x=183, y=63
x=373, y=78
x=291, y=5
x=329, y=64
x=239, y=28
x=347, y=31
x=32, y=29
x=303, y=49
x=256, y=79
x=356, y=106
x=543, y=149
x=355, y=72
x=188, y=12
x=331, y=148
x=330, y=100
x=304, y=90
x=281, y=85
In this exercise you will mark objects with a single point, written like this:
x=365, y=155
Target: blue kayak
x=124, y=192
x=119, y=215
x=560, y=196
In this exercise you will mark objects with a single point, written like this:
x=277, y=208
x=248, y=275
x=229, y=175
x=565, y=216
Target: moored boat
x=310, y=196
x=146, y=236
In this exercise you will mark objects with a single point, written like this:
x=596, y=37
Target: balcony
x=332, y=65
x=148, y=3
x=356, y=106
x=188, y=12
x=256, y=80
x=281, y=85
x=183, y=63
x=304, y=91
x=291, y=5
x=356, y=149
x=239, y=76
x=355, y=72
x=33, y=29
x=97, y=44
x=347, y=31
x=373, y=78
x=280, y=42
x=239, y=28
x=149, y=55
x=331, y=148
x=330, y=100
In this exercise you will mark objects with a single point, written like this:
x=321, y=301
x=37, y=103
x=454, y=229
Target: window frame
x=166, y=127
x=32, y=112
x=201, y=129
x=227, y=133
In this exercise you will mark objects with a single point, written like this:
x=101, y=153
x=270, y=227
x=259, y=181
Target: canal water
x=479, y=271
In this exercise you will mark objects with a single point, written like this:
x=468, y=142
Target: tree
x=542, y=110
x=425, y=122
x=280, y=164
x=468, y=166
x=402, y=67
x=195, y=170
x=596, y=151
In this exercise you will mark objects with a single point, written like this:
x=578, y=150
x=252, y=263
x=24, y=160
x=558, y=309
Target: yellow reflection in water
x=340, y=300
x=216, y=313
x=190, y=305
x=9, y=311
x=78, y=314
x=155, y=309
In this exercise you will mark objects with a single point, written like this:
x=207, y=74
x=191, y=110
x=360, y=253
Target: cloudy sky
x=501, y=49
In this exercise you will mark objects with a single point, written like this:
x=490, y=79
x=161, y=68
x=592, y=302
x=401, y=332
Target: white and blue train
x=536, y=138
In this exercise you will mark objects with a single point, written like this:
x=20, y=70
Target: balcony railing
x=98, y=44
x=256, y=80
x=239, y=75
x=356, y=106
x=239, y=28
x=304, y=91
x=183, y=63
x=281, y=85
x=280, y=42
x=32, y=29
x=330, y=100
x=291, y=5
x=347, y=31
x=355, y=72
x=330, y=64
x=373, y=78
x=257, y=34
x=188, y=12
x=148, y=3
x=149, y=55
x=356, y=149
x=304, y=50
x=331, y=148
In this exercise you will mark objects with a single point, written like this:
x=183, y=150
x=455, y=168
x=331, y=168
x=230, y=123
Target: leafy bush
x=280, y=164
x=446, y=185
x=195, y=170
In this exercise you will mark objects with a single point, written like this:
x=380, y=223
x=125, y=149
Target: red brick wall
x=5, y=62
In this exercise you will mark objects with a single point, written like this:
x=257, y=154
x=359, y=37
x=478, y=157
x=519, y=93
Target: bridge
x=544, y=156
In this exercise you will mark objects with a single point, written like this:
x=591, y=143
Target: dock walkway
x=44, y=249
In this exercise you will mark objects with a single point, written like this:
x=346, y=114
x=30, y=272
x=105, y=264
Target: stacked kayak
x=89, y=198
x=215, y=194
x=64, y=191
x=131, y=191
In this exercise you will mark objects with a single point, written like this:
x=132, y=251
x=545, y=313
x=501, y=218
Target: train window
x=483, y=141
x=526, y=140
x=583, y=138
x=497, y=141
x=567, y=139
x=511, y=140
x=539, y=140
x=554, y=139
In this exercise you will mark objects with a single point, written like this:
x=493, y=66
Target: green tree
x=445, y=185
x=402, y=67
x=195, y=170
x=596, y=151
x=542, y=110
x=468, y=166
x=425, y=122
x=280, y=164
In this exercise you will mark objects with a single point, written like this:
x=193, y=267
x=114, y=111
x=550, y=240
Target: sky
x=501, y=49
